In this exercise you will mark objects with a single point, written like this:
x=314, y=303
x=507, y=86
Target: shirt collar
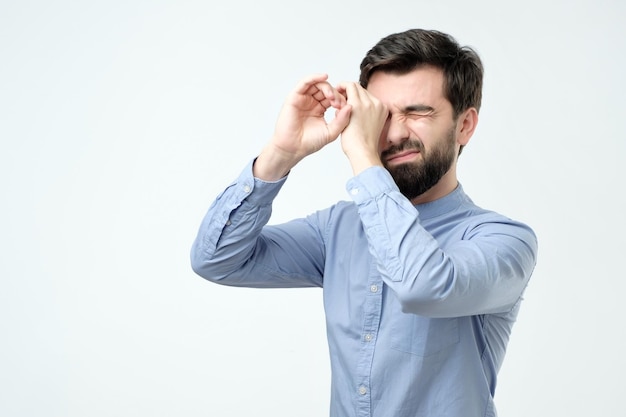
x=443, y=205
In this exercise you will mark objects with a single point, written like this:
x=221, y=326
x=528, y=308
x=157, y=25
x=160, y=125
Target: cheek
x=428, y=131
x=422, y=124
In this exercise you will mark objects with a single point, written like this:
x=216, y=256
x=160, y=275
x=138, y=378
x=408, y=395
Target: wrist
x=273, y=164
x=362, y=161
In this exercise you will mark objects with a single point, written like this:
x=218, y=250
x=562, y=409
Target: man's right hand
x=301, y=128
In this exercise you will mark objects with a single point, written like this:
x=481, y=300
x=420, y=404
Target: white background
x=120, y=121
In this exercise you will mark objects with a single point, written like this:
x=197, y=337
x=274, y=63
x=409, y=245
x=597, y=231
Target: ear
x=466, y=125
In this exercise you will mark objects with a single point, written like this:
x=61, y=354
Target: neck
x=445, y=186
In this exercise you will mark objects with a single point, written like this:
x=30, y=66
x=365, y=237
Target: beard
x=415, y=178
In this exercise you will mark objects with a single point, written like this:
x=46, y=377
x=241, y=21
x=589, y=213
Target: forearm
x=229, y=230
x=480, y=271
x=362, y=159
x=475, y=276
x=272, y=164
x=234, y=246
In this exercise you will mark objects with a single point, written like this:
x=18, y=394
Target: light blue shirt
x=419, y=300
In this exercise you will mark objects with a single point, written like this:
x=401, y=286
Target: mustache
x=407, y=145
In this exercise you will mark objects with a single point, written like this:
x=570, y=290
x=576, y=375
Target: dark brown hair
x=405, y=51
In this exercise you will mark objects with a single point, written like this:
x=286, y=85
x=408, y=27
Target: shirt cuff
x=256, y=191
x=371, y=183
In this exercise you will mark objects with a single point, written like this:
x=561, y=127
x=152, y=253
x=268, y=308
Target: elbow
x=436, y=295
x=215, y=267
x=423, y=306
x=201, y=264
x=432, y=301
x=200, y=268
x=208, y=272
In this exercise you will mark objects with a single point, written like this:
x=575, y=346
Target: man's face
x=418, y=144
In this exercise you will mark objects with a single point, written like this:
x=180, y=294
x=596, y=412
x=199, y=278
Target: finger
x=306, y=83
x=343, y=86
x=341, y=98
x=340, y=121
x=327, y=95
x=355, y=91
x=318, y=94
x=350, y=90
x=330, y=93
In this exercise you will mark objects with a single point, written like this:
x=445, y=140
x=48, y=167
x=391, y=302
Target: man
x=421, y=287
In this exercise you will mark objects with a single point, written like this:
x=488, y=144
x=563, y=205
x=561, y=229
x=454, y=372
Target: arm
x=233, y=247
x=301, y=128
x=485, y=272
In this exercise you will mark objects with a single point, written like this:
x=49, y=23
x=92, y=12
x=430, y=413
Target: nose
x=395, y=131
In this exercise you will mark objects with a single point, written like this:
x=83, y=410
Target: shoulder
x=342, y=210
x=483, y=223
x=340, y=216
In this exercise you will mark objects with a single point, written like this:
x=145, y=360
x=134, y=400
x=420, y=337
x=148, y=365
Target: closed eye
x=414, y=115
x=418, y=110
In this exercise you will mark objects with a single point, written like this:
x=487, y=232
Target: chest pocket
x=423, y=336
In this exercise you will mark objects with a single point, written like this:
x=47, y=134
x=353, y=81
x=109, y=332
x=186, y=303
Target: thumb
x=340, y=121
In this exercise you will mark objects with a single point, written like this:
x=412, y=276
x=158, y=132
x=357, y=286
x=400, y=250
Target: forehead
x=422, y=85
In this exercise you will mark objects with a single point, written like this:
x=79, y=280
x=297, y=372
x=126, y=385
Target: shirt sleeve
x=235, y=246
x=485, y=272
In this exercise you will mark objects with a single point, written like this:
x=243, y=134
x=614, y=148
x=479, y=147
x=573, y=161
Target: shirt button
x=354, y=191
x=246, y=188
x=368, y=337
x=362, y=390
x=374, y=288
x=228, y=223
